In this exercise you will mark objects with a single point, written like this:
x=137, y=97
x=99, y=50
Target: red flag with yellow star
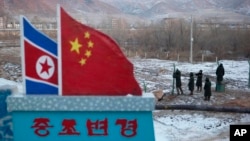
x=92, y=63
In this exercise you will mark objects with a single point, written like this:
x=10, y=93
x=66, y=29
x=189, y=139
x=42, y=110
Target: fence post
x=144, y=86
x=173, y=80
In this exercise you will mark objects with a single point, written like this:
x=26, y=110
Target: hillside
x=155, y=10
x=48, y=7
x=139, y=7
x=132, y=10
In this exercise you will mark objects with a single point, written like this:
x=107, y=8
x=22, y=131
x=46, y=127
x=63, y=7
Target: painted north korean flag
x=39, y=61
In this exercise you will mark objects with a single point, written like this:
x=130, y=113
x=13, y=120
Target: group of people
x=199, y=75
x=207, y=86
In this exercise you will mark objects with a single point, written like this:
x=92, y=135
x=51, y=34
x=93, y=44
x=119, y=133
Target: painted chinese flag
x=92, y=63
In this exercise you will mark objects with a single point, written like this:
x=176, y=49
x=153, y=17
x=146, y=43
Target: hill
x=132, y=10
x=155, y=10
x=48, y=7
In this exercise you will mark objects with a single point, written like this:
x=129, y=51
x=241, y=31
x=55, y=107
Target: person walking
x=199, y=81
x=207, y=89
x=191, y=83
x=177, y=76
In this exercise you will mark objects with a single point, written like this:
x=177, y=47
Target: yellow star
x=82, y=61
x=75, y=46
x=86, y=35
x=88, y=53
x=90, y=44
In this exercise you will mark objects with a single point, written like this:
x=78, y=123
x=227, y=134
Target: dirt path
x=229, y=98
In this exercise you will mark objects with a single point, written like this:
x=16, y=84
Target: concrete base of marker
x=78, y=118
x=6, y=133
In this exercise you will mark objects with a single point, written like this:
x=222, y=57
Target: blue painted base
x=6, y=133
x=25, y=128
x=82, y=118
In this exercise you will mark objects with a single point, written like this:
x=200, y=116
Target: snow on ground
x=196, y=126
x=14, y=86
x=182, y=125
x=236, y=72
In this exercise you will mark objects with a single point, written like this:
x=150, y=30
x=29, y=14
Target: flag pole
x=22, y=53
x=59, y=50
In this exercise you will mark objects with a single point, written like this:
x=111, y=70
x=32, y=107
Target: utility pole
x=191, y=41
x=249, y=75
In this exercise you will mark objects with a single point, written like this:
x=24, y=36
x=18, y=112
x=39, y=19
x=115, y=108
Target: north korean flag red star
x=40, y=65
x=45, y=67
x=39, y=61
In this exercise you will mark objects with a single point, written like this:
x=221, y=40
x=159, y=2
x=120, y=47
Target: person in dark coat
x=207, y=89
x=199, y=81
x=177, y=76
x=191, y=83
x=220, y=73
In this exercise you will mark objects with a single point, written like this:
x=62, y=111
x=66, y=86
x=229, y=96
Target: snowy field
x=236, y=72
x=182, y=125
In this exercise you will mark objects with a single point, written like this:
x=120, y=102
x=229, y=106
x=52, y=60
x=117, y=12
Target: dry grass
x=10, y=54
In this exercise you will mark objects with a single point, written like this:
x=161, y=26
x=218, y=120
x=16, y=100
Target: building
x=169, y=22
x=1, y=22
x=2, y=18
x=1, y=4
